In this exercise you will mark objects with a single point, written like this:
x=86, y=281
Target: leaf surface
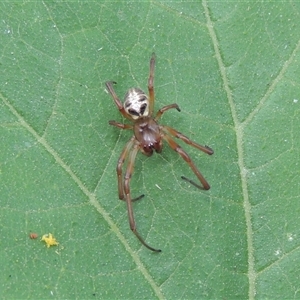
x=232, y=69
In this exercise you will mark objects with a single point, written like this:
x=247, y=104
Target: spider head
x=136, y=103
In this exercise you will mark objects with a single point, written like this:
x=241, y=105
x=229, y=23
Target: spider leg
x=151, y=84
x=120, y=164
x=109, y=86
x=120, y=125
x=188, y=141
x=128, y=174
x=187, y=158
x=165, y=108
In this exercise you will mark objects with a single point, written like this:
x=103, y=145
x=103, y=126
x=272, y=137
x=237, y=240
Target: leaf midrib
x=239, y=130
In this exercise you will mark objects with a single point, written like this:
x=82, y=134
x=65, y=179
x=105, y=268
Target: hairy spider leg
x=151, y=84
x=128, y=174
x=165, y=108
x=187, y=158
x=109, y=86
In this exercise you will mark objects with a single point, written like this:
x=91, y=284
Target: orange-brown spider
x=148, y=136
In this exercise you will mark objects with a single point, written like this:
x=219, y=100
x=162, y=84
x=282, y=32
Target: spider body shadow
x=148, y=137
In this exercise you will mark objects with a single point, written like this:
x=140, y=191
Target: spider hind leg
x=193, y=183
x=132, y=152
x=186, y=157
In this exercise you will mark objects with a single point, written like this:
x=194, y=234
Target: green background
x=232, y=67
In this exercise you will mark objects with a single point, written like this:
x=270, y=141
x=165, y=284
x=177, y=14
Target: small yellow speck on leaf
x=49, y=240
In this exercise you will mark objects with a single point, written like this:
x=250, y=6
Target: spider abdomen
x=136, y=103
x=147, y=132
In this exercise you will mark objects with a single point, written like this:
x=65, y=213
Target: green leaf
x=233, y=69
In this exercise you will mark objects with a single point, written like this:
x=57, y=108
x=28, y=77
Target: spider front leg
x=109, y=86
x=127, y=178
x=151, y=84
x=187, y=158
x=165, y=108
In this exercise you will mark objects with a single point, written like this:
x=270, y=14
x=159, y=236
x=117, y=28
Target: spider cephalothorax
x=148, y=137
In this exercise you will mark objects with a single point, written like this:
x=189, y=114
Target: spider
x=148, y=137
